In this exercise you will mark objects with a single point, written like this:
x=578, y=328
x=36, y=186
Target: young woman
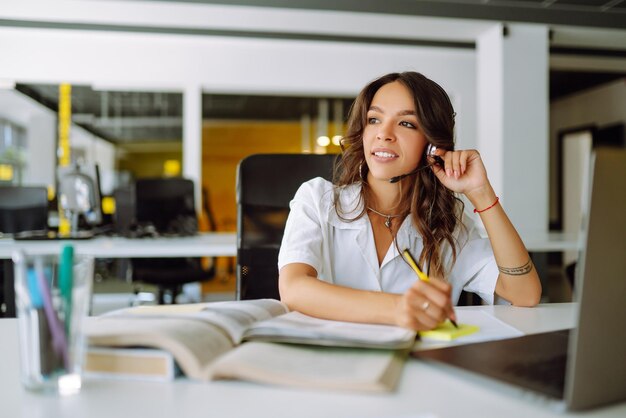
x=341, y=253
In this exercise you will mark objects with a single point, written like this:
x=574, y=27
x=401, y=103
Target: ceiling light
x=323, y=141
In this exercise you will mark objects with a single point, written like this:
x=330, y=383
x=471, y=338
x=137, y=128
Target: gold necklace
x=387, y=217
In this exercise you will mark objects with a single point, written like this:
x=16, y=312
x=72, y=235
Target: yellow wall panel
x=223, y=146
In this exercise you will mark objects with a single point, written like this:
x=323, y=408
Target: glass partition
x=12, y=153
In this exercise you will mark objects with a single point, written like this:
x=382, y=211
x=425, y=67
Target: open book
x=238, y=340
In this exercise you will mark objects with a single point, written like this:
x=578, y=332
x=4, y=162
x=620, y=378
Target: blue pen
x=66, y=283
x=33, y=289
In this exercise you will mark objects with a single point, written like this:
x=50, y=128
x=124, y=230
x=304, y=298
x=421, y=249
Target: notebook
x=584, y=367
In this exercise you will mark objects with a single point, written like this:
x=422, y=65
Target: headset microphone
x=400, y=177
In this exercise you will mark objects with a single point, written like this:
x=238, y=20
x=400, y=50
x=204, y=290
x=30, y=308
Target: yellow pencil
x=422, y=276
x=409, y=259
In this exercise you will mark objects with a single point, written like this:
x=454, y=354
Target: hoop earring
x=363, y=171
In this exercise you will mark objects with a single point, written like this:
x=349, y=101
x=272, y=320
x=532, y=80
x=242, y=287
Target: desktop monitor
x=23, y=209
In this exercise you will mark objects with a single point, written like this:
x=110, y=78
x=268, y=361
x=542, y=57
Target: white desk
x=551, y=241
x=544, y=241
x=214, y=244
x=207, y=245
x=424, y=389
x=202, y=245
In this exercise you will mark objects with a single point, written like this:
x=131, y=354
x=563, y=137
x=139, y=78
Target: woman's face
x=392, y=140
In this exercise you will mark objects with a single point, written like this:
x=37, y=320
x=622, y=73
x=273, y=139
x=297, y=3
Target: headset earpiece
x=430, y=152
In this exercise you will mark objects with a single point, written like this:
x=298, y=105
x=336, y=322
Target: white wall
x=40, y=124
x=41, y=139
x=603, y=105
x=513, y=121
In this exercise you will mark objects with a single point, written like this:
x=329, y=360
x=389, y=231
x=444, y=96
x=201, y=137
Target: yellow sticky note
x=447, y=332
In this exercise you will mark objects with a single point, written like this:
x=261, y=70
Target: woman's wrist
x=482, y=197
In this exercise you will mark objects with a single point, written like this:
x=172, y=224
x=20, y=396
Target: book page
x=490, y=328
x=150, y=364
x=193, y=343
x=329, y=368
x=234, y=317
x=299, y=328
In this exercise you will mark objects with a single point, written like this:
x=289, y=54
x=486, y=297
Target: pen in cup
x=422, y=276
x=66, y=282
x=59, y=340
x=41, y=353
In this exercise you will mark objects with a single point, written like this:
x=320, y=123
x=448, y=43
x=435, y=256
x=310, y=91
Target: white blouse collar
x=351, y=203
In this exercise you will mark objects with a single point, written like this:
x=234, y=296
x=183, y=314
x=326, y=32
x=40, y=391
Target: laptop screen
x=596, y=371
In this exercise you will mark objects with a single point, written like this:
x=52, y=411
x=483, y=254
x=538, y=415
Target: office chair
x=21, y=209
x=165, y=207
x=124, y=216
x=266, y=183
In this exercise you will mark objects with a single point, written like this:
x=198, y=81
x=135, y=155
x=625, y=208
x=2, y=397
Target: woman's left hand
x=463, y=172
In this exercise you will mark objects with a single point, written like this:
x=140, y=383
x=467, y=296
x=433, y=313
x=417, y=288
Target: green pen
x=66, y=283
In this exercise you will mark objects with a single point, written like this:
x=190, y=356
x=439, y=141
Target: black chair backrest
x=266, y=183
x=23, y=209
x=124, y=216
x=166, y=203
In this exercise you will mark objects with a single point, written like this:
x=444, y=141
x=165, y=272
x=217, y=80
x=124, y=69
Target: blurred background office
x=189, y=88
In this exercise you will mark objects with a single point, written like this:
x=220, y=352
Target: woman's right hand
x=425, y=305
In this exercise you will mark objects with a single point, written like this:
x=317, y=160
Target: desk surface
x=425, y=390
x=211, y=244
x=207, y=244
x=551, y=241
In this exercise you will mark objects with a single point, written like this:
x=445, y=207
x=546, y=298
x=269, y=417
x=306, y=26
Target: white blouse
x=344, y=253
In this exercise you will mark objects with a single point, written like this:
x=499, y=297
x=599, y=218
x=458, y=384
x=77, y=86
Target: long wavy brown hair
x=435, y=210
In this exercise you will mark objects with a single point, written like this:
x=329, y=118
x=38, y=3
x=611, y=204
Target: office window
x=12, y=149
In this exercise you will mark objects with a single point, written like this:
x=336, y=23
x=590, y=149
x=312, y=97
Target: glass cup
x=52, y=297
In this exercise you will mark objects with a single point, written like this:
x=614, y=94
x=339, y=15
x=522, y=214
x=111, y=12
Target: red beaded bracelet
x=488, y=207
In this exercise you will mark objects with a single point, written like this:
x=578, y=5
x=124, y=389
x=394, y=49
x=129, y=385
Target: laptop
x=584, y=367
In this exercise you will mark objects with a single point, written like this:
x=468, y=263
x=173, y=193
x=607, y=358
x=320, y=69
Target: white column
x=512, y=99
x=192, y=164
x=192, y=139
